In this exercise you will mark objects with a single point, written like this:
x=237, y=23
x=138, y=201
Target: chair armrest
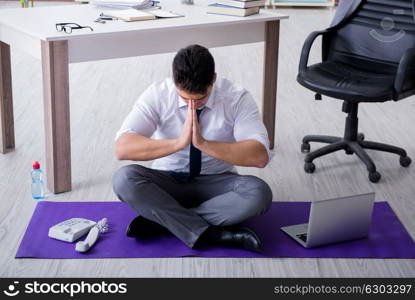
x=305, y=52
x=406, y=70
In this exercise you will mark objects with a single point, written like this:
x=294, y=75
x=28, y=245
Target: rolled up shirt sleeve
x=143, y=117
x=248, y=123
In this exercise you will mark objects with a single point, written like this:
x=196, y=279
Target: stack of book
x=240, y=8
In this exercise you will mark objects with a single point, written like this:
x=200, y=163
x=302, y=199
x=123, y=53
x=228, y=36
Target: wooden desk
x=33, y=31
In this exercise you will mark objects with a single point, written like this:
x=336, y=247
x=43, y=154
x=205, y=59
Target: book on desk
x=130, y=15
x=220, y=9
x=242, y=4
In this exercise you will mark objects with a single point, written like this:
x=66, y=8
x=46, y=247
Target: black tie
x=195, y=163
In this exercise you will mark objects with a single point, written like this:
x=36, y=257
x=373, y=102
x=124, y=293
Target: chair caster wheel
x=360, y=137
x=309, y=167
x=374, y=176
x=305, y=148
x=349, y=152
x=405, y=161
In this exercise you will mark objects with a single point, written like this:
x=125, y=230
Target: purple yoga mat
x=387, y=237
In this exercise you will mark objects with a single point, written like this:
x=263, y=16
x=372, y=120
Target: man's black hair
x=193, y=69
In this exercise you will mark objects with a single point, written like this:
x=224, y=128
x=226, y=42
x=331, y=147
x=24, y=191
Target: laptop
x=335, y=220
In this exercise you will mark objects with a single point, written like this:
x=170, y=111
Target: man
x=197, y=129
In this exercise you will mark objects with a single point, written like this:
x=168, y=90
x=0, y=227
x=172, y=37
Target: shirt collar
x=208, y=104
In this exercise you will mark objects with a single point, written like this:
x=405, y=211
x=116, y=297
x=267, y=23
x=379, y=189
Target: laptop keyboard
x=302, y=237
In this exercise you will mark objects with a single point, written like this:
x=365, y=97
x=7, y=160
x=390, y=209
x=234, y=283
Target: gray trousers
x=187, y=209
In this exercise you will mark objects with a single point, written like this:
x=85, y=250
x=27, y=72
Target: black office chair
x=368, y=58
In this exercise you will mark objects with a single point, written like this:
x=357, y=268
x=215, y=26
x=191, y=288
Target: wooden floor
x=103, y=92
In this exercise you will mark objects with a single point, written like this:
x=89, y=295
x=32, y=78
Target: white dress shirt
x=229, y=115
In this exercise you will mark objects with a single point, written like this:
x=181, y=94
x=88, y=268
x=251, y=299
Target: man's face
x=199, y=99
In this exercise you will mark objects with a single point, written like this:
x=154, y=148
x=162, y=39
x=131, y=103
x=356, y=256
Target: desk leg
x=269, y=99
x=56, y=114
x=6, y=101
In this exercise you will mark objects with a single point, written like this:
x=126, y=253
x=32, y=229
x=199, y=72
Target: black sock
x=210, y=236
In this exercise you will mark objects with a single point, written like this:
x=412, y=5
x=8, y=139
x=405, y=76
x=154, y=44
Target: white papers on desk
x=123, y=4
x=164, y=14
x=129, y=15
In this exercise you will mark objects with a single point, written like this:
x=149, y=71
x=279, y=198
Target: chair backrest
x=376, y=35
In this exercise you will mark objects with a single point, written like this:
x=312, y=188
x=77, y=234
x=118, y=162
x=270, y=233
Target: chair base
x=352, y=143
x=355, y=146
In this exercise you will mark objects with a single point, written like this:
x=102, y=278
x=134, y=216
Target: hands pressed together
x=246, y=153
x=191, y=130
